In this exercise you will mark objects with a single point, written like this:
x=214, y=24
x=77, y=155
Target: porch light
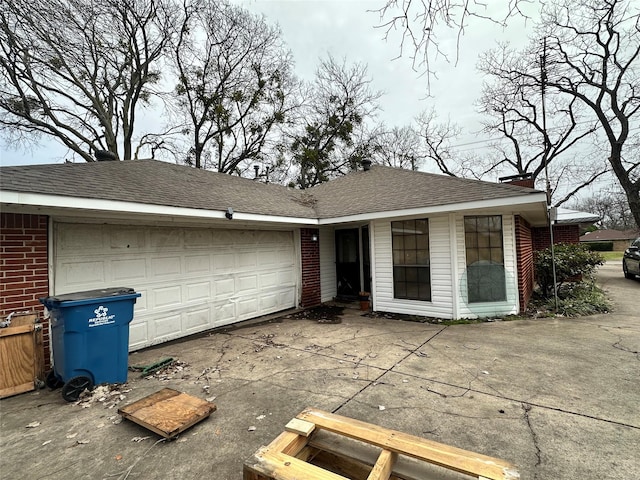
x=314, y=237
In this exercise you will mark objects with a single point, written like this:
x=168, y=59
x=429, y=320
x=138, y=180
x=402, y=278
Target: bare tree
x=234, y=84
x=340, y=102
x=593, y=55
x=420, y=23
x=612, y=207
x=80, y=71
x=398, y=147
x=438, y=138
x=529, y=143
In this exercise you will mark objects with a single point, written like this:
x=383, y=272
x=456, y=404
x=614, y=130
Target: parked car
x=631, y=260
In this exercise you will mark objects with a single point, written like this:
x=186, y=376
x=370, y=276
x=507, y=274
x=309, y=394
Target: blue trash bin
x=90, y=338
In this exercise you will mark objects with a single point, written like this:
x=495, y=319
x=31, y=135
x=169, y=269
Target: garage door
x=190, y=279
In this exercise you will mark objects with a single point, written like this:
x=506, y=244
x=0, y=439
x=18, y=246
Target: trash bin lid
x=89, y=294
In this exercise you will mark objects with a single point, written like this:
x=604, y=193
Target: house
x=207, y=249
x=621, y=239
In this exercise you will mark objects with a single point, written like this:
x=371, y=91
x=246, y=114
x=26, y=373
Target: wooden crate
x=318, y=445
x=21, y=358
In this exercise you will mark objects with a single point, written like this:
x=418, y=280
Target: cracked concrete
x=557, y=397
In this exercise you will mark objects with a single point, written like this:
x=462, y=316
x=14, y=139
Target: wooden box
x=21, y=356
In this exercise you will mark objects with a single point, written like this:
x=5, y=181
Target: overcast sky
x=346, y=29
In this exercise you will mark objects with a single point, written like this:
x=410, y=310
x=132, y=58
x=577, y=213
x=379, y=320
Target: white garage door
x=191, y=279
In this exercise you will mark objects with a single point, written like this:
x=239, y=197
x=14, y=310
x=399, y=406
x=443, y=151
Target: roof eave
x=48, y=204
x=523, y=200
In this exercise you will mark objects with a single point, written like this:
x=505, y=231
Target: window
x=485, y=259
x=411, y=267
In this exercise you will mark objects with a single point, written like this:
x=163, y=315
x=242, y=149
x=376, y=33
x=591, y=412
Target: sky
x=347, y=29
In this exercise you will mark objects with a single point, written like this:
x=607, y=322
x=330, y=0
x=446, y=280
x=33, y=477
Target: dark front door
x=348, y=263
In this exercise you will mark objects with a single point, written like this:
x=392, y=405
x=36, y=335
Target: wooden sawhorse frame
x=318, y=445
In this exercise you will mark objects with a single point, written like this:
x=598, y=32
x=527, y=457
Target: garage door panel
x=138, y=337
x=246, y=284
x=195, y=237
x=82, y=239
x=247, y=307
x=247, y=260
x=224, y=287
x=165, y=266
x=190, y=279
x=129, y=270
x=165, y=239
x=198, y=291
x=268, y=280
x=197, y=320
x=224, y=262
x=223, y=313
x=165, y=327
x=167, y=296
x=80, y=273
x=197, y=264
x=124, y=238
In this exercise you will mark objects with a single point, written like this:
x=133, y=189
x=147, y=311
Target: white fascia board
x=116, y=206
x=452, y=207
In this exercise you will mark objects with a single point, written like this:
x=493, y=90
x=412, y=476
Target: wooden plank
x=288, y=442
x=168, y=412
x=17, y=360
x=384, y=466
x=351, y=451
x=10, y=331
x=300, y=427
x=453, y=458
x=23, y=318
x=278, y=466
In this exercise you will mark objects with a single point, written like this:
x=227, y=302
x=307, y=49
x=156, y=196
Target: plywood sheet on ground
x=168, y=412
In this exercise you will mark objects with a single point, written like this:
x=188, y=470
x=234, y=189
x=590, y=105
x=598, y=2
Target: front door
x=348, y=262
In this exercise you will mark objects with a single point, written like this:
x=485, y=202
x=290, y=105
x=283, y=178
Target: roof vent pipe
x=366, y=165
x=105, y=155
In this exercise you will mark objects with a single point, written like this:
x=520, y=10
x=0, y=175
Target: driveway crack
x=527, y=408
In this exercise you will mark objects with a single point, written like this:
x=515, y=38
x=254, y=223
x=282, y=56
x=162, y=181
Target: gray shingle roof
x=385, y=189
x=159, y=183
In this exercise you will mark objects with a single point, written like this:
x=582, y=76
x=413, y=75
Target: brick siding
x=23, y=266
x=310, y=267
x=561, y=234
x=526, y=271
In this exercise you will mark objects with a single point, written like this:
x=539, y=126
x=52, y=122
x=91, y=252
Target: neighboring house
x=620, y=239
x=208, y=249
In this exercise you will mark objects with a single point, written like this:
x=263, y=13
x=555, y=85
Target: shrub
x=600, y=246
x=572, y=261
x=574, y=300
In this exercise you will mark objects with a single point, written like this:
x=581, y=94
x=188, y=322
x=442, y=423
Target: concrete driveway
x=557, y=397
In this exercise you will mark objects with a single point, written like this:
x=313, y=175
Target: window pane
x=410, y=257
x=485, y=259
x=422, y=257
x=410, y=245
x=483, y=239
x=470, y=224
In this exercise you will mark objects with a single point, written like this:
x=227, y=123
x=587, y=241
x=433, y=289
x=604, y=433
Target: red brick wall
x=526, y=270
x=310, y=267
x=23, y=266
x=561, y=234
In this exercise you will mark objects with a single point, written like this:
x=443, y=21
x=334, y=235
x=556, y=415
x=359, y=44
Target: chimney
x=521, y=180
x=366, y=165
x=105, y=155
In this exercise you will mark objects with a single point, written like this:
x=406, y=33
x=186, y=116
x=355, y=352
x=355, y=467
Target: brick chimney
x=521, y=180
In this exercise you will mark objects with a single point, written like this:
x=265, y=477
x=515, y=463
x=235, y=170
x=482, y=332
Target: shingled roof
x=157, y=183
x=154, y=182
x=387, y=189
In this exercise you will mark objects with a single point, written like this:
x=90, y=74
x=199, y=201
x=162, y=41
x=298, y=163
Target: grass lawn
x=611, y=256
